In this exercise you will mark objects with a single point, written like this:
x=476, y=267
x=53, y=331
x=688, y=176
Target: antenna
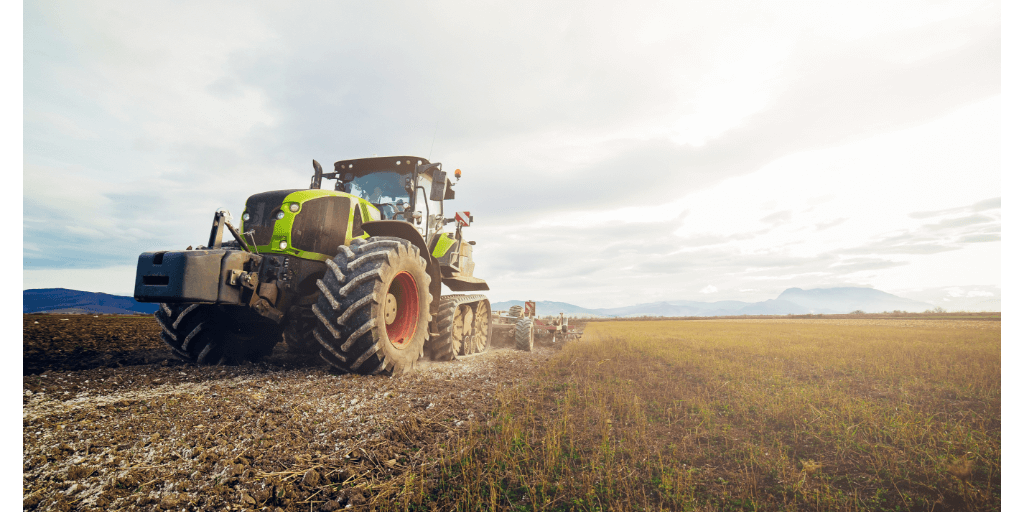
x=432, y=140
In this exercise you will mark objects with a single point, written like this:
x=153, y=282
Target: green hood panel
x=323, y=220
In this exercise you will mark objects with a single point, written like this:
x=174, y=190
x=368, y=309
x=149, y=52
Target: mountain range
x=62, y=300
x=794, y=301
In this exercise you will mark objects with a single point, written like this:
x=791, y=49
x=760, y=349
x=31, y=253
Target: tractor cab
x=403, y=188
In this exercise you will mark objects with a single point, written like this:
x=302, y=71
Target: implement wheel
x=210, y=334
x=374, y=307
x=298, y=332
x=524, y=334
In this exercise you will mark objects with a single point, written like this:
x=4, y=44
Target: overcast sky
x=611, y=154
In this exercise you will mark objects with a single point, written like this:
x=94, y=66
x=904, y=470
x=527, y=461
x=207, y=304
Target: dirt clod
x=311, y=478
x=169, y=501
x=246, y=499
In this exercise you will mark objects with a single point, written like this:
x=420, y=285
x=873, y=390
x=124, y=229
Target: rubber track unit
x=206, y=334
x=481, y=340
x=524, y=334
x=442, y=347
x=350, y=314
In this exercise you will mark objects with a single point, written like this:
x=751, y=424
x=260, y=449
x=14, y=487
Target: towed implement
x=352, y=275
x=519, y=327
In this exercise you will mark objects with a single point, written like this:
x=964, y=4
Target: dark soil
x=111, y=421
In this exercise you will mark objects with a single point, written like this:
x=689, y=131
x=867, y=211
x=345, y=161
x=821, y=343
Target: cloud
x=708, y=289
x=958, y=222
x=981, y=238
x=778, y=217
x=829, y=224
x=609, y=153
x=851, y=265
x=980, y=206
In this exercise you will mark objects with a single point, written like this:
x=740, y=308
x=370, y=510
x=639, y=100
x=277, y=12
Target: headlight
x=283, y=245
x=279, y=216
x=294, y=207
x=245, y=217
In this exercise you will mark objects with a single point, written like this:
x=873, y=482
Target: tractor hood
x=306, y=223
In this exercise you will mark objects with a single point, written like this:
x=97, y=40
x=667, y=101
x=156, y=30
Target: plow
x=520, y=328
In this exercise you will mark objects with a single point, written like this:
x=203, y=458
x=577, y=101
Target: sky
x=612, y=154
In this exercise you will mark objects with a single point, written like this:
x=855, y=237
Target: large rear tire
x=374, y=307
x=524, y=334
x=208, y=334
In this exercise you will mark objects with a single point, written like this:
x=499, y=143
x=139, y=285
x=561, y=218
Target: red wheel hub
x=406, y=299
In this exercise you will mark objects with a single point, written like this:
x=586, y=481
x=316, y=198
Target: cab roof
x=363, y=166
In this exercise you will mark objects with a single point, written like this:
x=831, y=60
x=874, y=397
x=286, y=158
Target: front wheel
x=210, y=334
x=374, y=307
x=298, y=333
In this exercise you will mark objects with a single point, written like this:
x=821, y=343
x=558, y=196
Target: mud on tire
x=524, y=334
x=374, y=307
x=209, y=334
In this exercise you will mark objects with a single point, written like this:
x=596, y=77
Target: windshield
x=380, y=187
x=384, y=189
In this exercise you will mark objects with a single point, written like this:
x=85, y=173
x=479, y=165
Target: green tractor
x=352, y=275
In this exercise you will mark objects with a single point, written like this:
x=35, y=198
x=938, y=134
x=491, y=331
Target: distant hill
x=550, y=308
x=847, y=299
x=775, y=307
x=677, y=308
x=794, y=301
x=62, y=300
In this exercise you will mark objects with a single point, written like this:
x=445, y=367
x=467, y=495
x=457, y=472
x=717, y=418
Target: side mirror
x=437, y=188
x=318, y=175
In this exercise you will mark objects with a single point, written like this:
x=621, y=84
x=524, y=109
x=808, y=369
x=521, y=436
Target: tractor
x=352, y=275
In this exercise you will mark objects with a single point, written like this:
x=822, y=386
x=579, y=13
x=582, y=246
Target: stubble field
x=836, y=414
x=825, y=414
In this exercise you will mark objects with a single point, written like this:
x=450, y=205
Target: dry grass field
x=779, y=414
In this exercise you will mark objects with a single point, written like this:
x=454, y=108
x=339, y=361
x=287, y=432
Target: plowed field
x=112, y=422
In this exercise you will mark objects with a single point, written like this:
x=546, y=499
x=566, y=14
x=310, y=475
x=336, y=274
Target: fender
x=402, y=229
